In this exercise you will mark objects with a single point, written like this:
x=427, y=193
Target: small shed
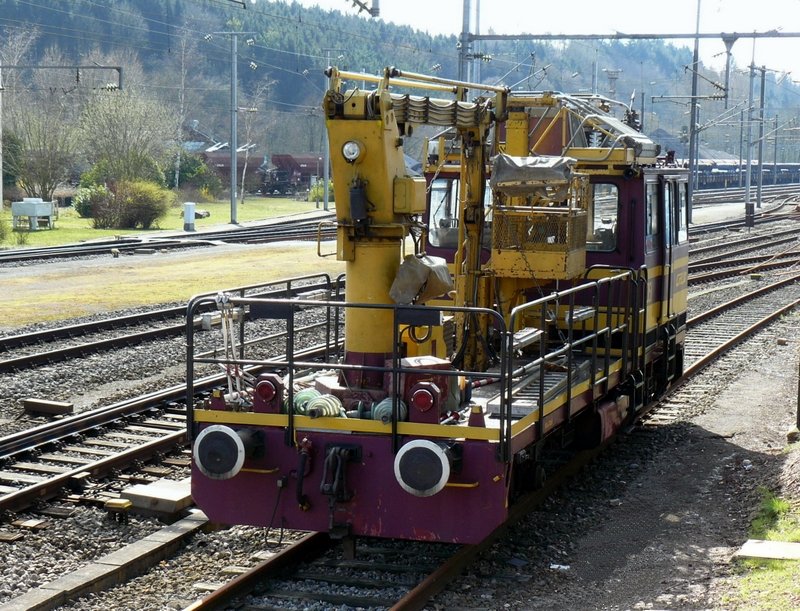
x=33, y=213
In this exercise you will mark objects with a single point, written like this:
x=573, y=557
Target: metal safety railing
x=585, y=322
x=597, y=316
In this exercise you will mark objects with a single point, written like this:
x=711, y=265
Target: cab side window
x=444, y=205
x=668, y=213
x=602, y=230
x=651, y=215
x=681, y=226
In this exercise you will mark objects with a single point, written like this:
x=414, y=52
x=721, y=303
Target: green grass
x=770, y=585
x=777, y=520
x=135, y=281
x=70, y=228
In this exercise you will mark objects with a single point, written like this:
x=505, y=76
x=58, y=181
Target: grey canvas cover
x=517, y=175
x=420, y=278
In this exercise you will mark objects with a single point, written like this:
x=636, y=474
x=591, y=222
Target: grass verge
x=769, y=585
x=105, y=284
x=71, y=228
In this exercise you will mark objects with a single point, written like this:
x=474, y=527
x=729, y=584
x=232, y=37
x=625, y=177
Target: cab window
x=669, y=233
x=444, y=213
x=602, y=230
x=681, y=225
x=443, y=221
x=651, y=208
x=651, y=215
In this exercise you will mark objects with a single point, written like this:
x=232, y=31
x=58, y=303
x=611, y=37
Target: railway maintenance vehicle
x=529, y=290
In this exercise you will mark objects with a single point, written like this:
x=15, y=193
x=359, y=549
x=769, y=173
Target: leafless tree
x=129, y=134
x=46, y=133
x=253, y=120
x=186, y=48
x=15, y=44
x=42, y=120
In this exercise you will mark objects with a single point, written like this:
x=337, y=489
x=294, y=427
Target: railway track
x=298, y=576
x=702, y=273
x=763, y=217
x=720, y=328
x=719, y=249
x=425, y=586
x=59, y=344
x=704, y=197
x=273, y=231
x=750, y=254
x=40, y=462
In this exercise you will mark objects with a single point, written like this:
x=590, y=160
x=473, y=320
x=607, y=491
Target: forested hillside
x=176, y=54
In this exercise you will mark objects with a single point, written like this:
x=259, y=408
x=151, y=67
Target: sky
x=599, y=17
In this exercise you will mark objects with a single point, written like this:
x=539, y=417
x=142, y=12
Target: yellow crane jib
x=378, y=202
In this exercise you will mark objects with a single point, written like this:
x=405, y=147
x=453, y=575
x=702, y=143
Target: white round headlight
x=351, y=151
x=422, y=467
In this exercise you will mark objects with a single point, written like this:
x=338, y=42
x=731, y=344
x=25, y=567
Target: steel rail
x=95, y=248
x=52, y=486
x=753, y=260
x=61, y=354
x=305, y=229
x=711, y=196
x=30, y=439
x=760, y=218
x=69, y=331
x=755, y=242
x=50, y=356
x=726, y=272
x=310, y=546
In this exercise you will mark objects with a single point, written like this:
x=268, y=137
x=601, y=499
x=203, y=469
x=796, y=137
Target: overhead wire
x=298, y=19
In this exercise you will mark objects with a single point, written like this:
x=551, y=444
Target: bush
x=136, y=204
x=105, y=172
x=3, y=230
x=21, y=238
x=141, y=204
x=91, y=201
x=196, y=177
x=317, y=192
x=98, y=174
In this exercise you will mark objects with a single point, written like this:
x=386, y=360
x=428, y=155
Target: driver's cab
x=443, y=197
x=443, y=193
